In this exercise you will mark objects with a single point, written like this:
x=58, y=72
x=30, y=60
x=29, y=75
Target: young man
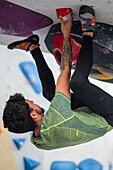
x=89, y=113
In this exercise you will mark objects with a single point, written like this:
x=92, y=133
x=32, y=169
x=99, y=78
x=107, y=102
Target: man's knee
x=49, y=93
x=77, y=84
x=48, y=96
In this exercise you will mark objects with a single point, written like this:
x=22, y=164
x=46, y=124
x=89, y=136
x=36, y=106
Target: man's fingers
x=71, y=18
x=61, y=19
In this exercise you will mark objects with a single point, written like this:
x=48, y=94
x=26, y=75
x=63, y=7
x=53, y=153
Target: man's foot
x=25, y=44
x=87, y=18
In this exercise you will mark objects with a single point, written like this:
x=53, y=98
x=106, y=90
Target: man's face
x=35, y=107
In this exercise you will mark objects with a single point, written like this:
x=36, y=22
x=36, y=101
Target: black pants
x=84, y=93
x=95, y=98
x=45, y=74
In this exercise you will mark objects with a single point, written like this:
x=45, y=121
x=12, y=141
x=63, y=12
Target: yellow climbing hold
x=106, y=71
x=99, y=76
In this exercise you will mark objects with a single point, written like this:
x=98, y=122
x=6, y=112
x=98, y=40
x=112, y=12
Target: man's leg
x=95, y=98
x=32, y=44
x=76, y=102
x=45, y=73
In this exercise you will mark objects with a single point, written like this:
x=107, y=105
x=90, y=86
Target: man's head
x=21, y=115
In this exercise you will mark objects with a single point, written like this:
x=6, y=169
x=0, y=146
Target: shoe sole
x=86, y=9
x=29, y=39
x=83, y=10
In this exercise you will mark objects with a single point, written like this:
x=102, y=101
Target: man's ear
x=34, y=115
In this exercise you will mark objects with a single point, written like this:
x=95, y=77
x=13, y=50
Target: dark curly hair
x=16, y=115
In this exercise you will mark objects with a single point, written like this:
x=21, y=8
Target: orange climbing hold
x=0, y=130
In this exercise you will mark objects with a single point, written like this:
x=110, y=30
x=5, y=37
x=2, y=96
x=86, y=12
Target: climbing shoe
x=25, y=44
x=87, y=18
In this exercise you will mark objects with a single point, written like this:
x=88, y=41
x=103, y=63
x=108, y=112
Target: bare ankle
x=88, y=33
x=32, y=47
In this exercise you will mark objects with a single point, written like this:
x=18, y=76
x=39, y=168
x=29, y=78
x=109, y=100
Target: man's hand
x=66, y=26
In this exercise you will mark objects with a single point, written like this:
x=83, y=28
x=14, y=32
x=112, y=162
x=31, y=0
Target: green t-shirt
x=63, y=127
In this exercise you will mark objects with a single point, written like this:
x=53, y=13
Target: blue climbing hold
x=63, y=165
x=31, y=73
x=90, y=164
x=29, y=164
x=19, y=142
x=110, y=166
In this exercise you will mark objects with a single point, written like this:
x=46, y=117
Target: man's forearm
x=66, y=59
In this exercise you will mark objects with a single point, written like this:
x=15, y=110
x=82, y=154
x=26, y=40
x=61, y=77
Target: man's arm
x=66, y=59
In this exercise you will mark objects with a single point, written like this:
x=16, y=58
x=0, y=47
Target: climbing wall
x=24, y=153
x=16, y=79
x=16, y=151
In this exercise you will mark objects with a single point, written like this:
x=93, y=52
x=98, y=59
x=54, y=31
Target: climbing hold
x=29, y=164
x=23, y=25
x=63, y=165
x=0, y=130
x=64, y=12
x=57, y=48
x=90, y=164
x=110, y=166
x=99, y=75
x=105, y=51
x=106, y=71
x=31, y=74
x=19, y=142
